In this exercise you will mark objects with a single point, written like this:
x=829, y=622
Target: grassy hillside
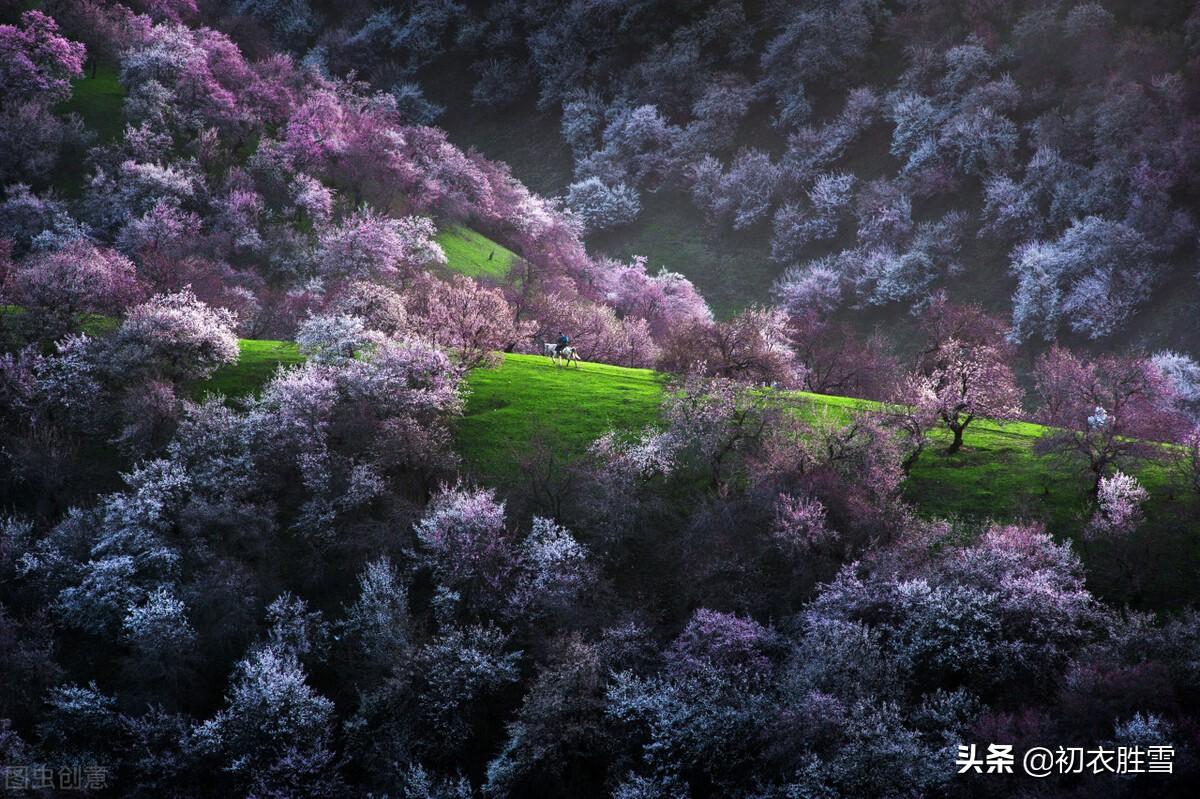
x=997, y=474
x=257, y=362
x=97, y=100
x=98, y=103
x=473, y=254
x=527, y=401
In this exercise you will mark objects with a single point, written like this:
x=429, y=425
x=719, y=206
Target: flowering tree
x=368, y=245
x=800, y=524
x=36, y=62
x=814, y=288
x=703, y=714
x=288, y=21
x=596, y=331
x=332, y=339
x=964, y=369
x=170, y=10
x=751, y=347
x=132, y=190
x=835, y=360
x=160, y=633
x=179, y=78
x=743, y=193
x=853, y=468
x=474, y=321
x=1109, y=411
x=815, y=44
x=600, y=206
x=967, y=381
x=795, y=225
x=379, y=619
x=1183, y=374
x=639, y=149
x=36, y=68
x=1092, y=276
x=57, y=286
x=1014, y=600
x=557, y=570
x=712, y=423
x=176, y=337
x=275, y=730
x=1119, y=506
x=667, y=301
x=336, y=437
x=106, y=29
x=457, y=670
x=470, y=548
x=380, y=307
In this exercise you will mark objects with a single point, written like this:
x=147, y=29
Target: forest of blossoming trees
x=305, y=591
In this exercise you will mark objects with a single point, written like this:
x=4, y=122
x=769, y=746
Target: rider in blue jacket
x=563, y=341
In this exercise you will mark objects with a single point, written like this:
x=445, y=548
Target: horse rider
x=563, y=341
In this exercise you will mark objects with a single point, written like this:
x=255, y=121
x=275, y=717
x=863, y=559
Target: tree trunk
x=955, y=445
x=910, y=460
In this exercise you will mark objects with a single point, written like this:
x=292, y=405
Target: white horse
x=568, y=354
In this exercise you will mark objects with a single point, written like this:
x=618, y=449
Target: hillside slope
x=527, y=403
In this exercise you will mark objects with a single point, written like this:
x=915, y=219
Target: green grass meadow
x=526, y=404
x=258, y=360
x=474, y=254
x=527, y=399
x=997, y=474
x=97, y=100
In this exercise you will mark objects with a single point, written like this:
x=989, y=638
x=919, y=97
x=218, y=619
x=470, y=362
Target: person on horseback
x=563, y=341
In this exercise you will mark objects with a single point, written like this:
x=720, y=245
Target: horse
x=568, y=354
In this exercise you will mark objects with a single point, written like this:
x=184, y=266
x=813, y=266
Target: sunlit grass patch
x=473, y=254
x=258, y=360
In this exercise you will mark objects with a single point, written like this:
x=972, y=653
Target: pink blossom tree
x=469, y=545
x=37, y=63
x=176, y=337
x=396, y=401
x=965, y=382
x=836, y=360
x=743, y=193
x=733, y=646
x=107, y=29
x=815, y=287
x=595, y=329
x=800, y=524
x=714, y=424
x=667, y=300
x=913, y=411
x=1118, y=506
x=556, y=570
x=852, y=467
x=965, y=368
x=1111, y=411
x=333, y=338
x=380, y=307
x=751, y=347
x=81, y=277
x=369, y=245
x=170, y=10
x=474, y=321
